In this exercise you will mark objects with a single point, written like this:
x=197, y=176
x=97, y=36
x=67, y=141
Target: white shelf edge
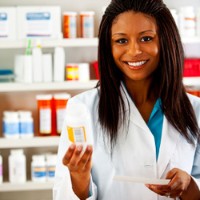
x=29, y=185
x=50, y=43
x=191, y=81
x=50, y=141
x=67, y=85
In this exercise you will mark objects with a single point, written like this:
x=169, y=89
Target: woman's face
x=135, y=45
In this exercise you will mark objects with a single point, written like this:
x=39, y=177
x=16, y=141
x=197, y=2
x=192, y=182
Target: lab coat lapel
x=170, y=137
x=135, y=116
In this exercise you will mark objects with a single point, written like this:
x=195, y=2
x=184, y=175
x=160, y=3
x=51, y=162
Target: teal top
x=155, y=124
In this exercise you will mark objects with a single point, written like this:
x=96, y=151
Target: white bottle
x=38, y=168
x=37, y=63
x=10, y=124
x=1, y=169
x=27, y=69
x=47, y=67
x=59, y=64
x=78, y=124
x=26, y=124
x=50, y=166
x=187, y=21
x=17, y=166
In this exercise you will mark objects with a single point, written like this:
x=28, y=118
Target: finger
x=88, y=165
x=72, y=165
x=156, y=189
x=85, y=157
x=68, y=154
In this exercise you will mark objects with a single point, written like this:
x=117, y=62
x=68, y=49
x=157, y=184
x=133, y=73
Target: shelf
x=50, y=141
x=191, y=81
x=47, y=43
x=67, y=85
x=10, y=187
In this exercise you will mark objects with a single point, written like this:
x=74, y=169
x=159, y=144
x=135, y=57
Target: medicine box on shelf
x=38, y=21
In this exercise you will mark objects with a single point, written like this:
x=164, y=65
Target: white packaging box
x=7, y=23
x=38, y=21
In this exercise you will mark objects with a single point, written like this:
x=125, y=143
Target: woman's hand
x=179, y=183
x=79, y=164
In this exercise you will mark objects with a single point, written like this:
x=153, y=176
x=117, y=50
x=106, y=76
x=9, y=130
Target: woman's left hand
x=179, y=182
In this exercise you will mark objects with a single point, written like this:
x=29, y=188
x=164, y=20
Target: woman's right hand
x=79, y=164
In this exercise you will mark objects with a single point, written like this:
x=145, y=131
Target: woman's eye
x=146, y=39
x=121, y=41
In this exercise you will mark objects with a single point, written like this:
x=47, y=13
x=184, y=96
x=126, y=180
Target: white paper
x=142, y=180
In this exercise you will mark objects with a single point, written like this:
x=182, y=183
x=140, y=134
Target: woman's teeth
x=136, y=64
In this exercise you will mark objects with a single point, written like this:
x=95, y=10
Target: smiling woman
x=143, y=123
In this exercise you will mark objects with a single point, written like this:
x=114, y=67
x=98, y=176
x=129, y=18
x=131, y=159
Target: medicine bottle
x=38, y=168
x=78, y=124
x=25, y=124
x=44, y=104
x=87, y=24
x=17, y=166
x=187, y=22
x=51, y=166
x=60, y=101
x=72, y=72
x=10, y=124
x=1, y=169
x=70, y=24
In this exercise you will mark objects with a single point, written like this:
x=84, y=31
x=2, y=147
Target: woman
x=143, y=123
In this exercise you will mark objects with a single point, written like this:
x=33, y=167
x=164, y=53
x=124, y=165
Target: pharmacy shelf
x=192, y=81
x=67, y=85
x=49, y=43
x=48, y=141
x=11, y=187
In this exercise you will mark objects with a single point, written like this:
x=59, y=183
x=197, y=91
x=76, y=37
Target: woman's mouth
x=136, y=64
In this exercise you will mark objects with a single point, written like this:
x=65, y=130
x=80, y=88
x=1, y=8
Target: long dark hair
x=175, y=103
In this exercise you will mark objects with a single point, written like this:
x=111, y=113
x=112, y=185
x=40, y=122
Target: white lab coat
x=134, y=155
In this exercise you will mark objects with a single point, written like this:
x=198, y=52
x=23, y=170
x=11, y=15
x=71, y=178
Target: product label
x=88, y=26
x=26, y=127
x=10, y=128
x=51, y=171
x=76, y=134
x=45, y=121
x=4, y=28
x=38, y=24
x=60, y=114
x=39, y=172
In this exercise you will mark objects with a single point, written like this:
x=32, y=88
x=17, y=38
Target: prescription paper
x=141, y=180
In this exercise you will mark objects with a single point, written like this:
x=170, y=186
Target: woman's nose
x=134, y=49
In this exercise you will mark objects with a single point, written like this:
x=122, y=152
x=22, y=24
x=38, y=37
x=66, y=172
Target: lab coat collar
x=135, y=116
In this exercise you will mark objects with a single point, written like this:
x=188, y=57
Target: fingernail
x=72, y=146
x=79, y=147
